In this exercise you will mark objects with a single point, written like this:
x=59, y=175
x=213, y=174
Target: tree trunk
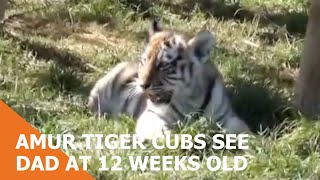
x=308, y=85
x=3, y=6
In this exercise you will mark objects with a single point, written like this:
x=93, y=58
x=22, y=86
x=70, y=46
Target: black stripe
x=173, y=63
x=165, y=67
x=191, y=69
x=167, y=81
x=219, y=119
x=219, y=108
x=182, y=67
x=208, y=96
x=125, y=105
x=182, y=71
x=138, y=106
x=173, y=77
x=176, y=110
x=114, y=85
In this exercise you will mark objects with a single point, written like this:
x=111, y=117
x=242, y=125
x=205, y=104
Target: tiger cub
x=179, y=65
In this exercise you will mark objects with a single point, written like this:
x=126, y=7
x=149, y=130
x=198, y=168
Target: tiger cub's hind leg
x=111, y=92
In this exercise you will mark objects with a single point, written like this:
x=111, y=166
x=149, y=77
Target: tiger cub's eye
x=179, y=57
x=167, y=44
x=141, y=63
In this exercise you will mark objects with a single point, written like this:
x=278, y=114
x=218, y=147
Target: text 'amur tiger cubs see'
x=173, y=79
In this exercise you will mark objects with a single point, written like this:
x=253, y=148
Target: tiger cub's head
x=168, y=60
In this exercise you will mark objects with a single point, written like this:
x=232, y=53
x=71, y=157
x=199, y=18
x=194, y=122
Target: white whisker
x=133, y=89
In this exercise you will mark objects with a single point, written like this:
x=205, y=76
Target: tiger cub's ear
x=155, y=27
x=201, y=45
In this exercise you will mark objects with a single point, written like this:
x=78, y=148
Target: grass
x=61, y=49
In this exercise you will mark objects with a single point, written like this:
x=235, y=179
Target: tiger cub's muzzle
x=159, y=97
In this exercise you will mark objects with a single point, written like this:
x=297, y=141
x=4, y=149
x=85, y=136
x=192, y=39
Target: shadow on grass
x=295, y=22
x=258, y=106
x=66, y=81
x=60, y=56
x=260, y=99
